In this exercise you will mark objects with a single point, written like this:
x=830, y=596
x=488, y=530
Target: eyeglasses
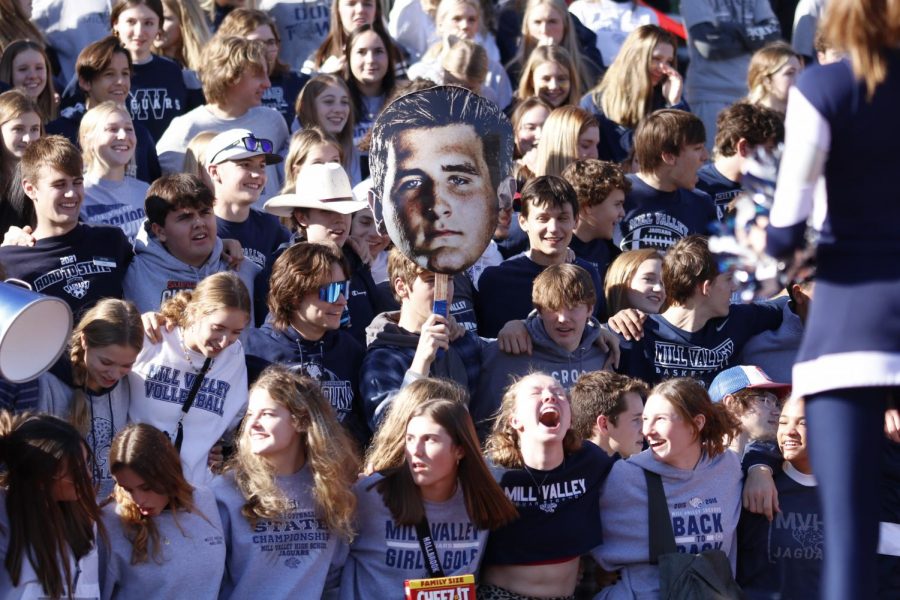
x=330, y=292
x=767, y=399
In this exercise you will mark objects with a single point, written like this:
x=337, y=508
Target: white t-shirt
x=612, y=22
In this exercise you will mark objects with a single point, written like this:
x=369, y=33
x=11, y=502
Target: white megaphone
x=34, y=331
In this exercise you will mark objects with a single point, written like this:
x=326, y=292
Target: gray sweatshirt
x=384, y=554
x=191, y=560
x=293, y=558
x=155, y=275
x=498, y=368
x=704, y=504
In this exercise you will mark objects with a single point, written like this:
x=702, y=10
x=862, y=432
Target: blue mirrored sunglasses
x=330, y=292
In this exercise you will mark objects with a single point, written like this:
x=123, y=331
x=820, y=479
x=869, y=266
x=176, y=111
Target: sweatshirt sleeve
x=623, y=511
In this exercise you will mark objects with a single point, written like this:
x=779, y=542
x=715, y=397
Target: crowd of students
x=258, y=389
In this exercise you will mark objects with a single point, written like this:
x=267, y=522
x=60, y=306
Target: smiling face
x=313, y=316
x=599, y=221
x=625, y=435
x=440, y=206
x=270, y=428
x=549, y=231
x=189, y=234
x=333, y=109
x=661, y=59
x=670, y=436
x=760, y=418
x=115, y=142
x=546, y=25
x=432, y=457
x=551, y=83
x=113, y=83
x=149, y=503
x=240, y=181
x=16, y=134
x=354, y=13
x=265, y=33
x=791, y=435
x=719, y=292
x=645, y=291
x=528, y=133
x=324, y=225
x=565, y=326
x=542, y=413
x=364, y=230
x=29, y=72
x=137, y=28
x=368, y=59
x=57, y=197
x=213, y=332
x=249, y=90
x=106, y=365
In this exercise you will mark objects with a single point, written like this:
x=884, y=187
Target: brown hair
x=687, y=264
x=97, y=56
x=594, y=180
x=518, y=114
x=173, y=192
x=50, y=151
x=563, y=286
x=194, y=30
x=299, y=271
x=16, y=24
x=689, y=398
x=120, y=6
x=36, y=450
x=528, y=44
x=665, y=131
x=220, y=290
x=387, y=447
x=619, y=275
x=13, y=104
x=402, y=268
x=224, y=61
x=329, y=451
x=148, y=452
x=486, y=504
x=47, y=98
x=601, y=393
x=502, y=445
x=308, y=116
x=550, y=54
x=548, y=191
x=742, y=120
x=242, y=22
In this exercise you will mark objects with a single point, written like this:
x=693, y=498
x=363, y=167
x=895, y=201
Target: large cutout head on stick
x=441, y=162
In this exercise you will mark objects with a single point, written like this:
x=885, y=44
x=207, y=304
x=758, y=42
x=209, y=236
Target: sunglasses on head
x=255, y=144
x=330, y=292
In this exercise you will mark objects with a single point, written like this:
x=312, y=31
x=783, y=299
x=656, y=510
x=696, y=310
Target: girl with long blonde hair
x=550, y=74
x=773, y=70
x=103, y=348
x=112, y=195
x=634, y=280
x=183, y=33
x=570, y=133
x=643, y=78
x=160, y=527
x=287, y=491
x=440, y=479
x=538, y=455
x=203, y=343
x=20, y=124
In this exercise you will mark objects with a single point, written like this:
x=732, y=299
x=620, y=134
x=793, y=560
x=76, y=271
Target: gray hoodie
x=155, y=275
x=498, y=368
x=704, y=504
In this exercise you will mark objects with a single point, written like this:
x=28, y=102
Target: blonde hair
x=220, y=290
x=550, y=54
x=465, y=62
x=763, y=65
x=441, y=13
x=150, y=454
x=528, y=43
x=92, y=124
x=559, y=139
x=308, y=116
x=195, y=154
x=502, y=446
x=224, y=61
x=328, y=448
x=619, y=275
x=244, y=21
x=13, y=104
x=626, y=92
x=110, y=322
x=302, y=143
x=195, y=33
x=387, y=448
x=867, y=30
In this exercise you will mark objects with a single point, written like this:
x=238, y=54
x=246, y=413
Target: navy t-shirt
x=656, y=219
x=721, y=189
x=600, y=253
x=158, y=94
x=504, y=293
x=559, y=516
x=666, y=351
x=282, y=96
x=79, y=267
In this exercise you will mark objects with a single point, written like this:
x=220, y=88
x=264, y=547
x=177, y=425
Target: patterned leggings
x=492, y=592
